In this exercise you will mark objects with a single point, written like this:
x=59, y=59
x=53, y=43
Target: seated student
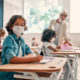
x=66, y=46
x=2, y=34
x=48, y=38
x=34, y=42
x=14, y=48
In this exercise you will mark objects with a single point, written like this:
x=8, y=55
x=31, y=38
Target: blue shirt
x=11, y=48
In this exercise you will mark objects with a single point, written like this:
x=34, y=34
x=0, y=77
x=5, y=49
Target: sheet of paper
x=46, y=59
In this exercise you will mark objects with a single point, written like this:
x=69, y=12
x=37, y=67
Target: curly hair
x=47, y=35
x=12, y=21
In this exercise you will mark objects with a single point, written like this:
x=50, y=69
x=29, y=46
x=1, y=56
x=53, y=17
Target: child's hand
x=58, y=47
x=69, y=44
x=57, y=50
x=39, y=58
x=66, y=42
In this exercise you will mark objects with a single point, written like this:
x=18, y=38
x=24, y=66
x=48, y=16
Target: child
x=34, y=42
x=48, y=38
x=15, y=51
x=2, y=34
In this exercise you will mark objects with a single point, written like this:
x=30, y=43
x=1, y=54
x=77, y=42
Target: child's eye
x=22, y=24
x=16, y=24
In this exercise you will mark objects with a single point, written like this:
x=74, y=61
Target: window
x=39, y=13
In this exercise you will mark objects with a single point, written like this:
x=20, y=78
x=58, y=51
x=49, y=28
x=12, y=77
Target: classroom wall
x=75, y=38
x=12, y=7
x=1, y=13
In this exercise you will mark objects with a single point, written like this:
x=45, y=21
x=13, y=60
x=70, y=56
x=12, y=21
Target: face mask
x=60, y=20
x=53, y=39
x=18, y=30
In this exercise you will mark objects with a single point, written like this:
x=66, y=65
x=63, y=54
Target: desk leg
x=56, y=75
x=74, y=66
x=70, y=68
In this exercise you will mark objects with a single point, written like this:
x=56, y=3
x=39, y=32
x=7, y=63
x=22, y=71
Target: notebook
x=46, y=60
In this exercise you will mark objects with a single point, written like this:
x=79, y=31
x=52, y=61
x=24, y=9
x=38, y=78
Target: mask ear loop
x=25, y=28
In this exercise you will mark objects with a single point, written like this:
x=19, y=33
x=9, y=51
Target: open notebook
x=46, y=60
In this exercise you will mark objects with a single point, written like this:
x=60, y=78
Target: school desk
x=55, y=67
x=70, y=55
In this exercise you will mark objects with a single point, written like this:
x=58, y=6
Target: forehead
x=19, y=21
x=63, y=16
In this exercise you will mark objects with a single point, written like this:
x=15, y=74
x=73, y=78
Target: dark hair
x=12, y=21
x=47, y=35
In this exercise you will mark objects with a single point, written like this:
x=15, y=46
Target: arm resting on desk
x=53, y=49
x=16, y=60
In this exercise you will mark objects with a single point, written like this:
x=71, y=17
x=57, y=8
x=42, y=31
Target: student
x=2, y=34
x=34, y=42
x=48, y=38
x=14, y=48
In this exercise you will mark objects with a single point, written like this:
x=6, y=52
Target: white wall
x=75, y=16
x=11, y=7
x=75, y=38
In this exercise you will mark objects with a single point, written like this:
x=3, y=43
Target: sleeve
x=9, y=54
x=27, y=49
x=8, y=49
x=54, y=46
x=65, y=33
x=47, y=44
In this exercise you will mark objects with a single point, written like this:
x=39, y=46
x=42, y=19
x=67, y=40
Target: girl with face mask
x=48, y=38
x=15, y=50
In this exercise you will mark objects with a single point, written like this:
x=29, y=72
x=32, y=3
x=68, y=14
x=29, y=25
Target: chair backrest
x=43, y=49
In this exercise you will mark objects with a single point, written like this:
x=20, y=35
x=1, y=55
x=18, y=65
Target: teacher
x=60, y=27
